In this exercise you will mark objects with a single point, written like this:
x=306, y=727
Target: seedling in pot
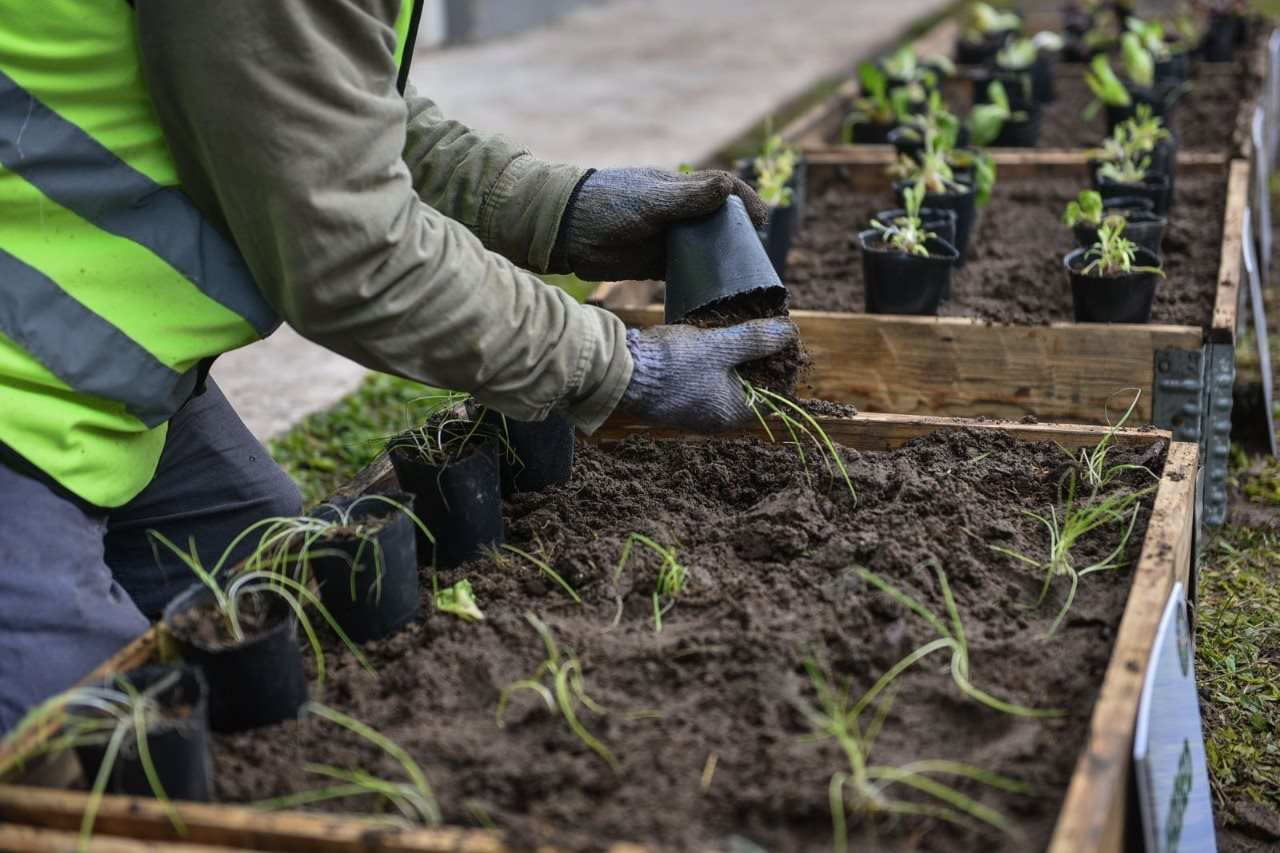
x=1092, y=463
x=1108, y=90
x=1085, y=209
x=1114, y=280
x=907, y=269
x=1113, y=254
x=413, y=799
x=800, y=426
x=671, y=576
x=985, y=29
x=865, y=785
x=934, y=122
x=950, y=637
x=1019, y=54
x=563, y=692
x=907, y=235
x=879, y=107
x=905, y=66
x=775, y=166
x=987, y=121
x=1078, y=519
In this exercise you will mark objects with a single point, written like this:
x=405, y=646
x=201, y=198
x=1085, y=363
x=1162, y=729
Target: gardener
x=176, y=178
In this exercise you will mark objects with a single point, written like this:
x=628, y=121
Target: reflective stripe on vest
x=114, y=289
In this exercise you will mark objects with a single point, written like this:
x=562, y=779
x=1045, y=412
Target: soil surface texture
x=1015, y=271
x=206, y=627
x=778, y=373
x=707, y=719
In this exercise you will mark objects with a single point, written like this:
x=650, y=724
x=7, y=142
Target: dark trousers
x=77, y=583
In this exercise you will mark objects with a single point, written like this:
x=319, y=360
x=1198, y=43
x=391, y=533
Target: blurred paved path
x=632, y=82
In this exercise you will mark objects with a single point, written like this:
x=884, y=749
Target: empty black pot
x=1020, y=134
x=539, y=454
x=369, y=584
x=962, y=201
x=1114, y=299
x=460, y=501
x=897, y=283
x=253, y=683
x=1153, y=187
x=717, y=257
x=1219, y=44
x=178, y=745
x=1141, y=226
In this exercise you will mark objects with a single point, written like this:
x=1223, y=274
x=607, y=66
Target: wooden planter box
x=1096, y=811
x=1061, y=372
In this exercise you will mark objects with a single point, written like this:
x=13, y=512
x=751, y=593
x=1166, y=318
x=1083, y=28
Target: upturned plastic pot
x=776, y=235
x=1112, y=299
x=253, y=683
x=940, y=221
x=369, y=584
x=870, y=133
x=1219, y=44
x=460, y=501
x=715, y=258
x=177, y=745
x=1020, y=134
x=896, y=283
x=1154, y=187
x=539, y=454
x=1141, y=226
x=963, y=202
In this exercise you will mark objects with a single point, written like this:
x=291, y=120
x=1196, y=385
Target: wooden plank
x=961, y=366
x=29, y=839
x=1231, y=269
x=1093, y=813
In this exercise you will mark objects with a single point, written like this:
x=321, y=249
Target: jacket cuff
x=605, y=347
x=520, y=215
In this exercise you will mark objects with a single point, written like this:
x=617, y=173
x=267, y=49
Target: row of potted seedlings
x=353, y=562
x=908, y=254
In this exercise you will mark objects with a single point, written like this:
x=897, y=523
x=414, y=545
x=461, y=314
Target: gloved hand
x=615, y=225
x=684, y=376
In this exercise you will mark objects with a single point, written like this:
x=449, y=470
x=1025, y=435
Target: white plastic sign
x=1259, y=327
x=1168, y=747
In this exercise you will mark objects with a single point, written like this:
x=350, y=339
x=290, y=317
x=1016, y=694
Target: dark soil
x=206, y=628
x=1015, y=272
x=706, y=717
x=778, y=373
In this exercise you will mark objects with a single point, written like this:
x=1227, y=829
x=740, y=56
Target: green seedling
x=799, y=425
x=413, y=799
x=1077, y=521
x=248, y=585
x=1092, y=464
x=987, y=120
x=1131, y=168
x=983, y=20
x=457, y=599
x=935, y=125
x=1139, y=66
x=544, y=567
x=905, y=65
x=671, y=576
x=878, y=103
x=1143, y=132
x=774, y=166
x=565, y=693
x=115, y=719
x=1086, y=208
x=1021, y=53
x=1107, y=88
x=907, y=234
x=1150, y=36
x=951, y=636
x=443, y=431
x=865, y=786
x=1113, y=254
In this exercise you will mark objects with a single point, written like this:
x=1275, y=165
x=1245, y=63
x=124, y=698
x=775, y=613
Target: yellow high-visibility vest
x=115, y=292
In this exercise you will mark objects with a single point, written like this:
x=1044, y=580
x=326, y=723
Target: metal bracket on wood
x=1216, y=445
x=1178, y=398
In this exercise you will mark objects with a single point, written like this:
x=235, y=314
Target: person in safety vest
x=177, y=177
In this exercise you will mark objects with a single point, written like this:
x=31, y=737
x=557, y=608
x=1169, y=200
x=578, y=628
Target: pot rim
x=864, y=238
x=1077, y=255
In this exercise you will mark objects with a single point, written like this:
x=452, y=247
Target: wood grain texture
x=1231, y=271
x=30, y=839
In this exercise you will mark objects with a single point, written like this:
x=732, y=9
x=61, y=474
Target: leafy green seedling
x=457, y=599
x=935, y=125
x=950, y=636
x=878, y=103
x=866, y=785
x=545, y=568
x=671, y=575
x=1107, y=88
x=413, y=799
x=1138, y=63
x=907, y=234
x=228, y=599
x=983, y=20
x=1144, y=131
x=1113, y=254
x=1077, y=521
x=565, y=692
x=987, y=120
x=774, y=166
x=798, y=423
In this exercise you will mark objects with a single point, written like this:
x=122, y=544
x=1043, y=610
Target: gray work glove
x=615, y=226
x=684, y=376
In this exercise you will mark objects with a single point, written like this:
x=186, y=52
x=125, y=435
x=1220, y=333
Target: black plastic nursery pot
x=368, y=572
x=459, y=500
x=252, y=683
x=1112, y=299
x=716, y=258
x=1219, y=44
x=1043, y=84
x=1157, y=188
x=1176, y=68
x=897, y=283
x=178, y=744
x=979, y=52
x=776, y=234
x=962, y=201
x=1019, y=87
x=871, y=133
x=1141, y=226
x=537, y=454
x=1162, y=98
x=1020, y=134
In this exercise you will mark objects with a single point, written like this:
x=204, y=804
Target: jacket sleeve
x=287, y=130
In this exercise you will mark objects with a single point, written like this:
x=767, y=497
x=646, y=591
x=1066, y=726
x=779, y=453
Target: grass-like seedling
x=445, y=432
x=565, y=693
x=950, y=636
x=110, y=717
x=1092, y=463
x=671, y=575
x=800, y=426
x=1114, y=254
x=229, y=594
x=413, y=799
x=1078, y=519
x=865, y=786
x=907, y=235
x=544, y=567
x=457, y=599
